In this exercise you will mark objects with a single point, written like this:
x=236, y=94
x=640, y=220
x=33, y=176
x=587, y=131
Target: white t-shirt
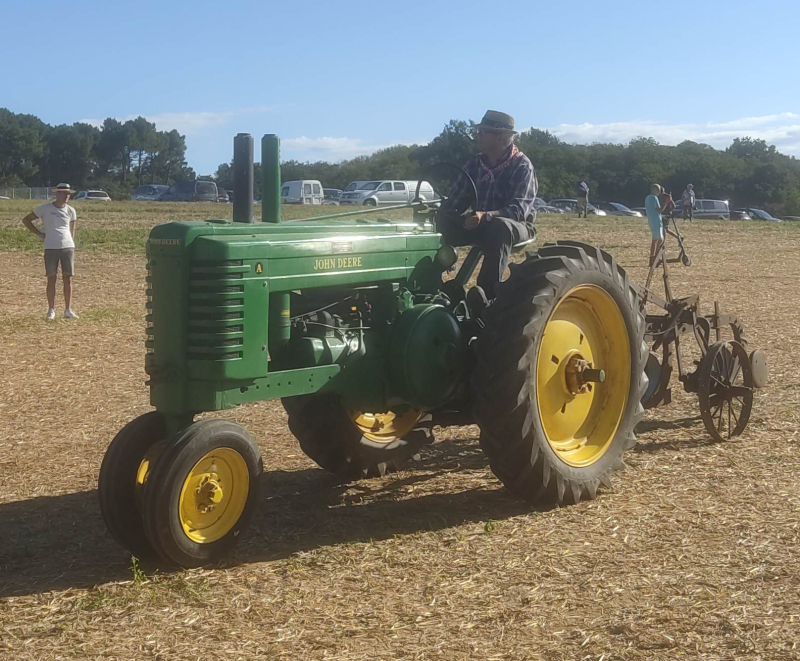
x=55, y=223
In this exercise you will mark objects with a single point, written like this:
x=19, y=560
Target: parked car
x=795, y=218
x=641, y=210
x=540, y=206
x=331, y=196
x=302, y=191
x=190, y=191
x=740, y=214
x=569, y=205
x=222, y=195
x=385, y=192
x=148, y=192
x=3, y=197
x=94, y=195
x=617, y=209
x=354, y=185
x=706, y=209
x=760, y=214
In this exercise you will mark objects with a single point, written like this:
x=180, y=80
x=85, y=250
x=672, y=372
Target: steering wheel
x=472, y=189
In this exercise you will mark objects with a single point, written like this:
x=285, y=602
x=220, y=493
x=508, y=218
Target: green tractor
x=349, y=322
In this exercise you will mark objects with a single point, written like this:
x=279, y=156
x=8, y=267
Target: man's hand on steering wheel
x=454, y=209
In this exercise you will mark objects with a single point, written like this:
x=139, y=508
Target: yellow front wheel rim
x=385, y=427
x=586, y=327
x=214, y=495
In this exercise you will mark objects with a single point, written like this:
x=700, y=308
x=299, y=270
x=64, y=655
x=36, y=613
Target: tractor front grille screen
x=216, y=311
x=149, y=330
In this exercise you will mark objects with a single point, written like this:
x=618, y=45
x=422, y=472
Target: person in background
x=667, y=207
x=687, y=202
x=653, y=207
x=582, y=193
x=58, y=233
x=666, y=202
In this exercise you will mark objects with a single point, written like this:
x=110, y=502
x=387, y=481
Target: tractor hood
x=299, y=237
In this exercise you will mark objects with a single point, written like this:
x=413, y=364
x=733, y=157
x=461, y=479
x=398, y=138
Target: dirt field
x=695, y=553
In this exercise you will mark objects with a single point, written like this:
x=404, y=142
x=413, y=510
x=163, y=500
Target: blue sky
x=337, y=79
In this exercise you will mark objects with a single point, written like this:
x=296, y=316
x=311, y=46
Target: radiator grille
x=216, y=311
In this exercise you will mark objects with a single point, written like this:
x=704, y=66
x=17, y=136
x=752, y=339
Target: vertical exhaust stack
x=271, y=173
x=243, y=178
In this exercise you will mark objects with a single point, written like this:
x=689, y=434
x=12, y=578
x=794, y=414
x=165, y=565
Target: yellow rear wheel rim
x=587, y=324
x=385, y=427
x=214, y=495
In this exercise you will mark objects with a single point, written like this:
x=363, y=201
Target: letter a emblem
x=259, y=267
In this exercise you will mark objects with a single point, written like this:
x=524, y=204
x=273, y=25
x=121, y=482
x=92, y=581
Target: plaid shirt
x=508, y=189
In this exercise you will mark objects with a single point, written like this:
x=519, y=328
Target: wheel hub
x=209, y=493
x=580, y=374
x=583, y=375
x=214, y=495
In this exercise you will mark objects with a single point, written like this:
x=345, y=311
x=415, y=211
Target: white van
x=386, y=192
x=302, y=191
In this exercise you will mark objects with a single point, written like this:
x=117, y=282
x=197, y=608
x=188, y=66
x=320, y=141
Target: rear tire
x=539, y=448
x=328, y=435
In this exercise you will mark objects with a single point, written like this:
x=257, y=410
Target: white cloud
x=189, y=123
x=781, y=130
x=327, y=148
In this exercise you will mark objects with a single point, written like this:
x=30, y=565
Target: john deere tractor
x=353, y=324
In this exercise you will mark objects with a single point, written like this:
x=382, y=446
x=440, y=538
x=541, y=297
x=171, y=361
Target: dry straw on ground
x=693, y=554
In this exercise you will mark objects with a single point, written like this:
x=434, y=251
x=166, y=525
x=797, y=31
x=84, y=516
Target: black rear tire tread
x=518, y=451
x=327, y=435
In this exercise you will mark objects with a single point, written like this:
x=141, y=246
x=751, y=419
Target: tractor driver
x=503, y=214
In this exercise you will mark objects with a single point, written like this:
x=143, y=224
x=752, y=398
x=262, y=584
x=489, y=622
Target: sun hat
x=64, y=187
x=497, y=121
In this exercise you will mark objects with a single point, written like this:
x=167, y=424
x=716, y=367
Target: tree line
x=115, y=157
x=748, y=173
x=118, y=156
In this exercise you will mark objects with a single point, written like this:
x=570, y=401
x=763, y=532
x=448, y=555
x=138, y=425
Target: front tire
x=126, y=467
x=202, y=492
x=552, y=430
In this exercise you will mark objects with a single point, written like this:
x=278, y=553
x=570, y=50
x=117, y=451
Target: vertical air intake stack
x=271, y=173
x=243, y=178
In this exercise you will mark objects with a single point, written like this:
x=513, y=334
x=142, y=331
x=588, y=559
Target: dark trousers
x=495, y=237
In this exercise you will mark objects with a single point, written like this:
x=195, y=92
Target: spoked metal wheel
x=725, y=388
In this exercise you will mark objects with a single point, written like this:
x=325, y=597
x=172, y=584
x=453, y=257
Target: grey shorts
x=63, y=256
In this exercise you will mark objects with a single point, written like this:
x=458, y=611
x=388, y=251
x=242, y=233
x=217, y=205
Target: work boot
x=477, y=301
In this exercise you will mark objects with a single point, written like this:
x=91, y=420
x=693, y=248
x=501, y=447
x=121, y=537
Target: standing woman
x=653, y=207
